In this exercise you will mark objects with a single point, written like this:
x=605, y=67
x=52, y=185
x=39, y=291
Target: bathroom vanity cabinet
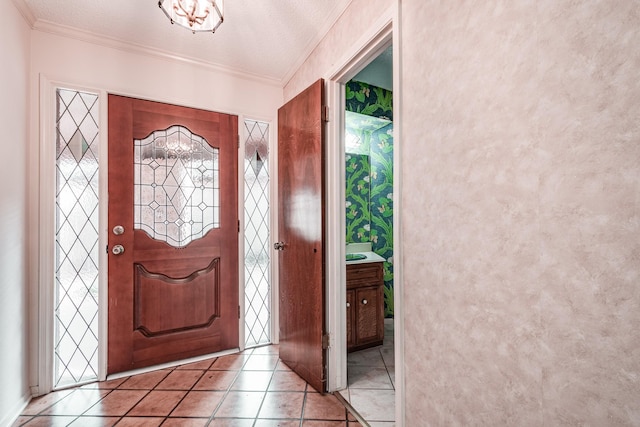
x=365, y=306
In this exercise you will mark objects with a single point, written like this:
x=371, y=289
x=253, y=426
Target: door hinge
x=238, y=226
x=238, y=140
x=238, y=312
x=325, y=113
x=106, y=249
x=325, y=341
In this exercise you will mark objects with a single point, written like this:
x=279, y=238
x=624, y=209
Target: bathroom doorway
x=369, y=211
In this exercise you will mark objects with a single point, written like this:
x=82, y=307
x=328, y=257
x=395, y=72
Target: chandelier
x=194, y=15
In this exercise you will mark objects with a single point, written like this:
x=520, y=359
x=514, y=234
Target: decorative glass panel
x=256, y=245
x=76, y=240
x=176, y=186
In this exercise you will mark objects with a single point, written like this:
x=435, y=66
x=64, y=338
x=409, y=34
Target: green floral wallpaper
x=369, y=100
x=357, y=206
x=369, y=175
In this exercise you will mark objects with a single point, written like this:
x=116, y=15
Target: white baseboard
x=15, y=412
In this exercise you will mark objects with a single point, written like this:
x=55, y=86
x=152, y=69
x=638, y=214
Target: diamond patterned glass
x=176, y=186
x=76, y=244
x=256, y=236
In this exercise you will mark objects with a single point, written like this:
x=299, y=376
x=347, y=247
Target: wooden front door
x=301, y=234
x=173, y=233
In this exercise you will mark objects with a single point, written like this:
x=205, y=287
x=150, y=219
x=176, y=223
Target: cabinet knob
x=364, y=302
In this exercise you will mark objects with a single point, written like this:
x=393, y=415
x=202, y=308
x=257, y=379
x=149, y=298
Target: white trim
x=25, y=11
x=12, y=415
x=398, y=268
x=242, y=139
x=103, y=236
x=139, y=49
x=360, y=55
x=274, y=213
x=384, y=32
x=46, y=231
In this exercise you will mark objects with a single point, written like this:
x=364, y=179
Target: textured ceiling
x=266, y=38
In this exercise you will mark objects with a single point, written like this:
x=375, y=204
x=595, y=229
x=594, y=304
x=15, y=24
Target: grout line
x=304, y=403
x=188, y=391
x=228, y=390
x=352, y=410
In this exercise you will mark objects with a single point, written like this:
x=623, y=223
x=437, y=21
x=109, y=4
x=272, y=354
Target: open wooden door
x=173, y=233
x=301, y=234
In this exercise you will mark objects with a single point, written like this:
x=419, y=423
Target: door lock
x=278, y=246
x=117, y=250
x=118, y=230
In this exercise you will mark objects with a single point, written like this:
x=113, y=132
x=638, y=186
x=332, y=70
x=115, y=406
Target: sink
x=354, y=257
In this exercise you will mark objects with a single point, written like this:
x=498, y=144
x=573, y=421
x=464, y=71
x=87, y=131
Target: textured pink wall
x=521, y=124
x=355, y=21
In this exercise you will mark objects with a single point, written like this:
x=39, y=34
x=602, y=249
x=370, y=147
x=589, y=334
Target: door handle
x=117, y=250
x=278, y=246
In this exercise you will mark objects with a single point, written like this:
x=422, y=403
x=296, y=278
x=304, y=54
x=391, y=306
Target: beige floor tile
x=377, y=406
x=369, y=377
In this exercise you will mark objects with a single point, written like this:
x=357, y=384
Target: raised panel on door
x=368, y=316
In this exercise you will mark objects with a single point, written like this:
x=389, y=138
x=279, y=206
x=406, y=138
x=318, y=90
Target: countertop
x=371, y=257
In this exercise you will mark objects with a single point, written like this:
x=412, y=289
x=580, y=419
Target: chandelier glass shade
x=194, y=15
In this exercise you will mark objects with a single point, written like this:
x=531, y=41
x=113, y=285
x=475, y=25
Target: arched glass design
x=176, y=186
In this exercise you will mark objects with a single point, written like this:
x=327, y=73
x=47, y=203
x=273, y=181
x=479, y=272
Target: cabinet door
x=368, y=319
x=351, y=297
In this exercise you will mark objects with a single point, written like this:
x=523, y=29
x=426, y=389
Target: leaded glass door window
x=176, y=188
x=76, y=238
x=257, y=264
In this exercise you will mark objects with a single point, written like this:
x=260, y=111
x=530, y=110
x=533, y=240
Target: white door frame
x=43, y=270
x=382, y=34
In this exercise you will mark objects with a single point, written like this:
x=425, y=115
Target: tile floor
x=252, y=389
x=371, y=381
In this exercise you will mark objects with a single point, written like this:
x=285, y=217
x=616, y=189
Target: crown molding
x=25, y=11
x=315, y=42
x=114, y=43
